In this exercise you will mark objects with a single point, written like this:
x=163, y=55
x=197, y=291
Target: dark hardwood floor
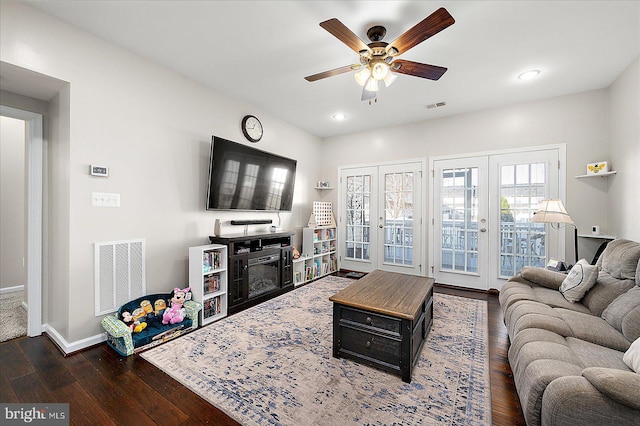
x=105, y=388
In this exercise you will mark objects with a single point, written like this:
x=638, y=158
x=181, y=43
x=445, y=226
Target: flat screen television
x=245, y=178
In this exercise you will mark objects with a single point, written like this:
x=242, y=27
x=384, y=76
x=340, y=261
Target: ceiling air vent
x=436, y=105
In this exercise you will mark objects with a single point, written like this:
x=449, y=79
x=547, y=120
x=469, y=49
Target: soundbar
x=251, y=222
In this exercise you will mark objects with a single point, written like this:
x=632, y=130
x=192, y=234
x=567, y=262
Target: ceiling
x=260, y=52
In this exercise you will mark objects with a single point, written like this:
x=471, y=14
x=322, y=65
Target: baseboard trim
x=11, y=289
x=69, y=348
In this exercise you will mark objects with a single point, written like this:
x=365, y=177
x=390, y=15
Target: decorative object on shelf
x=376, y=57
x=252, y=128
x=597, y=168
x=553, y=211
x=217, y=228
x=323, y=184
x=296, y=253
x=322, y=214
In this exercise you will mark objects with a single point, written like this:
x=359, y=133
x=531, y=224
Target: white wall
x=578, y=120
x=152, y=128
x=624, y=138
x=13, y=244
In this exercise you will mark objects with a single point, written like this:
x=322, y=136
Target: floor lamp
x=553, y=211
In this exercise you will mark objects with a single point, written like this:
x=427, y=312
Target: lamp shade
x=551, y=211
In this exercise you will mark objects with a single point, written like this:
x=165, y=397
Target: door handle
x=380, y=226
x=483, y=229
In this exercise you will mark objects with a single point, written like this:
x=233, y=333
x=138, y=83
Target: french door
x=482, y=210
x=380, y=218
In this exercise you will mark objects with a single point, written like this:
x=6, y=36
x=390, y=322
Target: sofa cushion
x=621, y=386
x=606, y=289
x=527, y=314
x=620, y=259
x=579, y=280
x=632, y=356
x=592, y=329
x=618, y=310
x=543, y=277
x=518, y=289
x=590, y=354
x=631, y=324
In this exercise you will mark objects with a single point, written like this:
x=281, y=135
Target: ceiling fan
x=377, y=58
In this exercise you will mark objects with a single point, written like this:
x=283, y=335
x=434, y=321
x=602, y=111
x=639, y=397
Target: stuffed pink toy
x=176, y=312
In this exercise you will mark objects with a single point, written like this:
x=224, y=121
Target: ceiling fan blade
x=432, y=72
x=331, y=73
x=428, y=27
x=345, y=35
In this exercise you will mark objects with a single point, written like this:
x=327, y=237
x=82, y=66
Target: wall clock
x=252, y=128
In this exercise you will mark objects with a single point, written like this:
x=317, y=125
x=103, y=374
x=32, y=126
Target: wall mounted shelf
x=322, y=188
x=603, y=174
x=597, y=237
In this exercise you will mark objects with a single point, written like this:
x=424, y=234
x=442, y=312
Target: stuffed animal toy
x=159, y=306
x=127, y=319
x=146, y=305
x=133, y=320
x=175, y=313
x=138, y=316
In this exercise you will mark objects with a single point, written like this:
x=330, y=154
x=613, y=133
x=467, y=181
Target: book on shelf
x=212, y=307
x=309, y=273
x=211, y=283
x=298, y=277
x=210, y=260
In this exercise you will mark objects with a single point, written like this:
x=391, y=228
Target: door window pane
x=398, y=218
x=357, y=217
x=459, y=219
x=522, y=243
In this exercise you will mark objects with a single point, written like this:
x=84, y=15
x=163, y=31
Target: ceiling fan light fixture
x=389, y=79
x=379, y=70
x=362, y=76
x=372, y=85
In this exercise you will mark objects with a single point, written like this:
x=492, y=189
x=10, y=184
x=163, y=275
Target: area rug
x=13, y=317
x=272, y=365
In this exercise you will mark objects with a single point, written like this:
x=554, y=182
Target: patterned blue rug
x=272, y=365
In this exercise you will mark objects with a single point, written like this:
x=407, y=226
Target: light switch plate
x=105, y=199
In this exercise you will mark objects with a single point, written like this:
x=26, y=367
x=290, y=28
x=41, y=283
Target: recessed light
x=339, y=116
x=529, y=75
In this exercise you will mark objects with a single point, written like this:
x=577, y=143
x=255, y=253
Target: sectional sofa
x=572, y=360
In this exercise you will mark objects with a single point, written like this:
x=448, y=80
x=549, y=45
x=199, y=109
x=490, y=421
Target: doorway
x=380, y=217
x=34, y=172
x=481, y=215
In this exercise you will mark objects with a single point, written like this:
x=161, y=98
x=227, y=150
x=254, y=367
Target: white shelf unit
x=319, y=254
x=208, y=280
x=603, y=174
x=597, y=236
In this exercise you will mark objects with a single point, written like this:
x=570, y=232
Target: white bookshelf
x=208, y=280
x=318, y=257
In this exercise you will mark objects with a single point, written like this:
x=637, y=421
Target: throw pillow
x=632, y=356
x=580, y=279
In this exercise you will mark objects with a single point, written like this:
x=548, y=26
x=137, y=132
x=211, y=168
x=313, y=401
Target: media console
x=260, y=267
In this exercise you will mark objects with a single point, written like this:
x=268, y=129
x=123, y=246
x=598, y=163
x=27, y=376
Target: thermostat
x=101, y=171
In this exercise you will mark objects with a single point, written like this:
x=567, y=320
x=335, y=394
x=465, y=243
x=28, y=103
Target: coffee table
x=382, y=320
